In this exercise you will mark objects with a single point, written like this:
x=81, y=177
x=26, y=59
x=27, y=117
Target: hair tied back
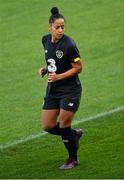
x=54, y=11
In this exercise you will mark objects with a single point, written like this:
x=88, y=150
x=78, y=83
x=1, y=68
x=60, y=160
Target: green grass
x=100, y=157
x=97, y=27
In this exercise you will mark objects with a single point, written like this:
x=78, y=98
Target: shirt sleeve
x=73, y=54
x=43, y=40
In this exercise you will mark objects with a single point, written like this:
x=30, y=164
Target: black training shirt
x=59, y=57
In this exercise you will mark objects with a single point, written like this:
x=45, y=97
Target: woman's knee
x=65, y=118
x=48, y=119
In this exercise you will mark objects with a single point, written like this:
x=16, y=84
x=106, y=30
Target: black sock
x=68, y=137
x=55, y=130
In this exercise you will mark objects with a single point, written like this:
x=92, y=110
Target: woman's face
x=57, y=29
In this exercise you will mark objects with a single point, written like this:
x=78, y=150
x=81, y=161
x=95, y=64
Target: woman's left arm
x=76, y=68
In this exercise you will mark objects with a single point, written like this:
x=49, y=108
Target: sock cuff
x=65, y=128
x=55, y=130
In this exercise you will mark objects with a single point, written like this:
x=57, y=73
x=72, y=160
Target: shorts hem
x=49, y=108
x=66, y=109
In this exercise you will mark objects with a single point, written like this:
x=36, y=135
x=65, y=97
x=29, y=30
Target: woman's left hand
x=52, y=77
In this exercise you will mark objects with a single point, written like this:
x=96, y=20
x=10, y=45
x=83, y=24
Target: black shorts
x=68, y=104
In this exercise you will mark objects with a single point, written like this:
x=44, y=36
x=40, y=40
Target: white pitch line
x=99, y=115
x=34, y=136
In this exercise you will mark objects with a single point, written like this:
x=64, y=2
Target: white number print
x=52, y=66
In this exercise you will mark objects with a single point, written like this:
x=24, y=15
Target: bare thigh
x=65, y=118
x=49, y=118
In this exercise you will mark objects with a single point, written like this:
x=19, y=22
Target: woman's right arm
x=42, y=71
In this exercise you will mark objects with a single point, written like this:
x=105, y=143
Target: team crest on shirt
x=59, y=54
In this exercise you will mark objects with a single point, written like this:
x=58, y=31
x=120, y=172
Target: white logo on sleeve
x=70, y=104
x=46, y=51
x=59, y=54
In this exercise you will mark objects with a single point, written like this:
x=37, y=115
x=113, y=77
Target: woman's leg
x=65, y=118
x=70, y=138
x=67, y=133
x=49, y=121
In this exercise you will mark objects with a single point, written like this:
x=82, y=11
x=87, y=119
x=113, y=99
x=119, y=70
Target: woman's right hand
x=42, y=71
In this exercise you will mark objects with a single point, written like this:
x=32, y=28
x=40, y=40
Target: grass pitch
x=97, y=27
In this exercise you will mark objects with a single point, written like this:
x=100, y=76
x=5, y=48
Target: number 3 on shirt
x=52, y=66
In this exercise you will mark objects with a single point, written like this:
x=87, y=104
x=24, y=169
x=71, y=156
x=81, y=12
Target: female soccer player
x=63, y=92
